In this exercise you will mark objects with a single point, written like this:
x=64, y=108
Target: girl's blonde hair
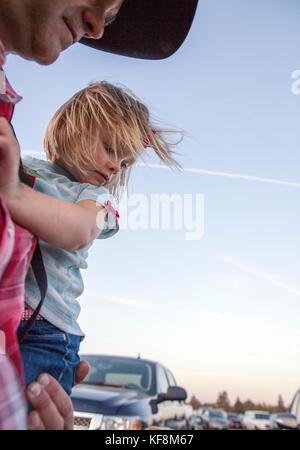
x=73, y=133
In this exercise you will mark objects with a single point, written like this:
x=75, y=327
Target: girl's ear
x=149, y=139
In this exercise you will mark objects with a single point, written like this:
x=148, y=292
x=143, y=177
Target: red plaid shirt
x=16, y=249
x=13, y=414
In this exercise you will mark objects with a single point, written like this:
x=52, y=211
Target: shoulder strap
x=37, y=264
x=38, y=268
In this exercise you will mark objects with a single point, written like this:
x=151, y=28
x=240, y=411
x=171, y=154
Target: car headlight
x=261, y=426
x=214, y=424
x=120, y=423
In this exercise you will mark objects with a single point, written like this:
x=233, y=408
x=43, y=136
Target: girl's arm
x=58, y=222
x=61, y=223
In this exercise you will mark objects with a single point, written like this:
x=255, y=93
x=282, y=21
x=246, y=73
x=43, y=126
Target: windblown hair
x=73, y=133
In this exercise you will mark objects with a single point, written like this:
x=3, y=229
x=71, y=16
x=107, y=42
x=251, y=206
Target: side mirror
x=173, y=393
x=288, y=423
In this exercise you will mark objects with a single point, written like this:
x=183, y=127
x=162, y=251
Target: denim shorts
x=48, y=349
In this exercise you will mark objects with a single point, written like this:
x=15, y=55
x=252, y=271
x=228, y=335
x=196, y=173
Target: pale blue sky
x=221, y=312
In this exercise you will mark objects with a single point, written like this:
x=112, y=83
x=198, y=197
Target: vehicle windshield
x=216, y=414
x=262, y=416
x=119, y=372
x=285, y=416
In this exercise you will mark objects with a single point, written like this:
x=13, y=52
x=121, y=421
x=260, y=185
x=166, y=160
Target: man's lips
x=72, y=31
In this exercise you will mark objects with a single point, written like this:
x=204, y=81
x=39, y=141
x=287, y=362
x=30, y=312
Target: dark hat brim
x=147, y=29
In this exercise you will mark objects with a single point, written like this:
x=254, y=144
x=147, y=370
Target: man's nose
x=93, y=24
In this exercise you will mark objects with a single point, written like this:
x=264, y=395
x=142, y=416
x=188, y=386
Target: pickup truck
x=123, y=393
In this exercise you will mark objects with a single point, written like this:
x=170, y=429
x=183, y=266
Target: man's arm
x=63, y=224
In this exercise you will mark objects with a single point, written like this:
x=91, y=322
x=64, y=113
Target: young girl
x=91, y=144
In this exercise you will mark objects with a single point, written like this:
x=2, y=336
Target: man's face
x=40, y=29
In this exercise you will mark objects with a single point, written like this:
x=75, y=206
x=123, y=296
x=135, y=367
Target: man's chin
x=46, y=60
x=40, y=60
x=43, y=55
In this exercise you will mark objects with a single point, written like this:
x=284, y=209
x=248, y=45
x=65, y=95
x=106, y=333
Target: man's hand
x=82, y=370
x=52, y=407
x=9, y=160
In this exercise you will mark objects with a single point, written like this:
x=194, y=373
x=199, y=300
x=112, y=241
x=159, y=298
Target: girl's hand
x=9, y=160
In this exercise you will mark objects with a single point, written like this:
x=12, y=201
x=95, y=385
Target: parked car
x=283, y=421
x=198, y=417
x=234, y=420
x=122, y=393
x=295, y=406
x=214, y=419
x=201, y=411
x=197, y=421
x=256, y=420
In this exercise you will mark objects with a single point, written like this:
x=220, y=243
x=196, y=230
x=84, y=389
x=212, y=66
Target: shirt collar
x=7, y=93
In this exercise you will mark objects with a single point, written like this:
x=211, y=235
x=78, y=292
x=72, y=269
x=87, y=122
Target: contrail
x=137, y=304
x=229, y=175
x=273, y=278
x=205, y=172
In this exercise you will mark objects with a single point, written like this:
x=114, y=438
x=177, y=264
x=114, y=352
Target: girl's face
x=108, y=165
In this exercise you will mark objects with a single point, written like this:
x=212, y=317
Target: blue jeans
x=48, y=349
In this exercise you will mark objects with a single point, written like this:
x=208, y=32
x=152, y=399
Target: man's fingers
x=53, y=409
x=60, y=399
x=49, y=418
x=34, y=421
x=8, y=143
x=82, y=370
x=50, y=402
x=5, y=127
x=3, y=123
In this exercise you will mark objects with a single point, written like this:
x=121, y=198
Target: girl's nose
x=114, y=167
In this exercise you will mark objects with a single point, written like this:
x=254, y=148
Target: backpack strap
x=38, y=268
x=8, y=98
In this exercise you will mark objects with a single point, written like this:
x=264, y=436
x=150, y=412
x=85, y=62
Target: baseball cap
x=147, y=29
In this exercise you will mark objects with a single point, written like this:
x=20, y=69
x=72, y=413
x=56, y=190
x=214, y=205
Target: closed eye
x=109, y=150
